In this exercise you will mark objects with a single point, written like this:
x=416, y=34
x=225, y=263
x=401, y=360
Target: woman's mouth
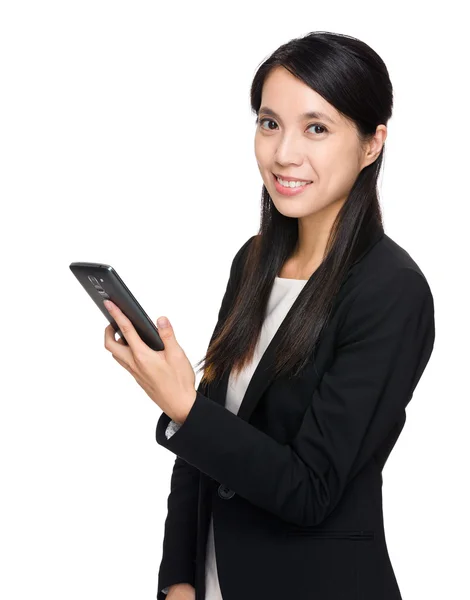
x=291, y=190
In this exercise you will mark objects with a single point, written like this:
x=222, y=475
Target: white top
x=283, y=295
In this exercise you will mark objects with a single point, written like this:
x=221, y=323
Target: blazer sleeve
x=384, y=344
x=179, y=542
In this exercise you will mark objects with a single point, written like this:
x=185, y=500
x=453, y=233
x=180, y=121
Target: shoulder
x=388, y=290
x=245, y=246
x=385, y=290
x=241, y=254
x=387, y=269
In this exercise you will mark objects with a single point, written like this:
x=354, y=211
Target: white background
x=127, y=138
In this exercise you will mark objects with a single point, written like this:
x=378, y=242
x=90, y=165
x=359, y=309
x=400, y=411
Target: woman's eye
x=261, y=121
x=318, y=125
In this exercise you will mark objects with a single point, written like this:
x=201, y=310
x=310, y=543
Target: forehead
x=286, y=96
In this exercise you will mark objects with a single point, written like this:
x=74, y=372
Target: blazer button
x=225, y=492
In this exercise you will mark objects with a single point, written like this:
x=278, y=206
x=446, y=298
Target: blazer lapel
x=264, y=372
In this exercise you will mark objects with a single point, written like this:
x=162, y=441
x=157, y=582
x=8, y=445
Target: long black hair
x=354, y=79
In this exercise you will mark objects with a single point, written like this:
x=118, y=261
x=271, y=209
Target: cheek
x=337, y=168
x=262, y=151
x=346, y=176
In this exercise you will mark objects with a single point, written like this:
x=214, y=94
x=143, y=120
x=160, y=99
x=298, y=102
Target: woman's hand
x=166, y=375
x=181, y=591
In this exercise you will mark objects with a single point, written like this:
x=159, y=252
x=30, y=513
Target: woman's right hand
x=181, y=591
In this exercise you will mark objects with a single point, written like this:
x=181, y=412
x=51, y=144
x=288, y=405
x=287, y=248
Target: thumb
x=165, y=330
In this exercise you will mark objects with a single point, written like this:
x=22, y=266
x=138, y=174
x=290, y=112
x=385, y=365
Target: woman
x=324, y=331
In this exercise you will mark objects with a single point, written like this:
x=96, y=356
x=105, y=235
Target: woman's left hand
x=166, y=375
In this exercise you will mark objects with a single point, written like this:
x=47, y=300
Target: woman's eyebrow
x=313, y=114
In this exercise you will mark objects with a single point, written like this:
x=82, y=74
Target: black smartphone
x=102, y=282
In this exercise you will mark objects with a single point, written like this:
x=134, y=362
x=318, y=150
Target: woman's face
x=323, y=150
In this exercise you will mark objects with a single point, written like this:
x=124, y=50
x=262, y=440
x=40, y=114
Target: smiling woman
x=276, y=490
x=291, y=150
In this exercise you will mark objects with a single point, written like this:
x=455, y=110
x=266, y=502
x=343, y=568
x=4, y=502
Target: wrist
x=188, y=404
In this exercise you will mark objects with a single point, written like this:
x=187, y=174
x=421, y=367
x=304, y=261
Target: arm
x=179, y=543
x=383, y=347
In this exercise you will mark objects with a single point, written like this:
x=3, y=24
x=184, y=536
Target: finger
x=117, y=348
x=123, y=364
x=128, y=330
x=120, y=340
x=129, y=370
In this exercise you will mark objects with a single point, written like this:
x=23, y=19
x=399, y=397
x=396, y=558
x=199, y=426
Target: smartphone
x=102, y=282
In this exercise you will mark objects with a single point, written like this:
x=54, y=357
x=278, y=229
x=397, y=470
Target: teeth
x=292, y=183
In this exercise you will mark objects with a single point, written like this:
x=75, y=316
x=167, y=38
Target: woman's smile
x=289, y=191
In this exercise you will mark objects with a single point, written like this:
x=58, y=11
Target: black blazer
x=294, y=479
